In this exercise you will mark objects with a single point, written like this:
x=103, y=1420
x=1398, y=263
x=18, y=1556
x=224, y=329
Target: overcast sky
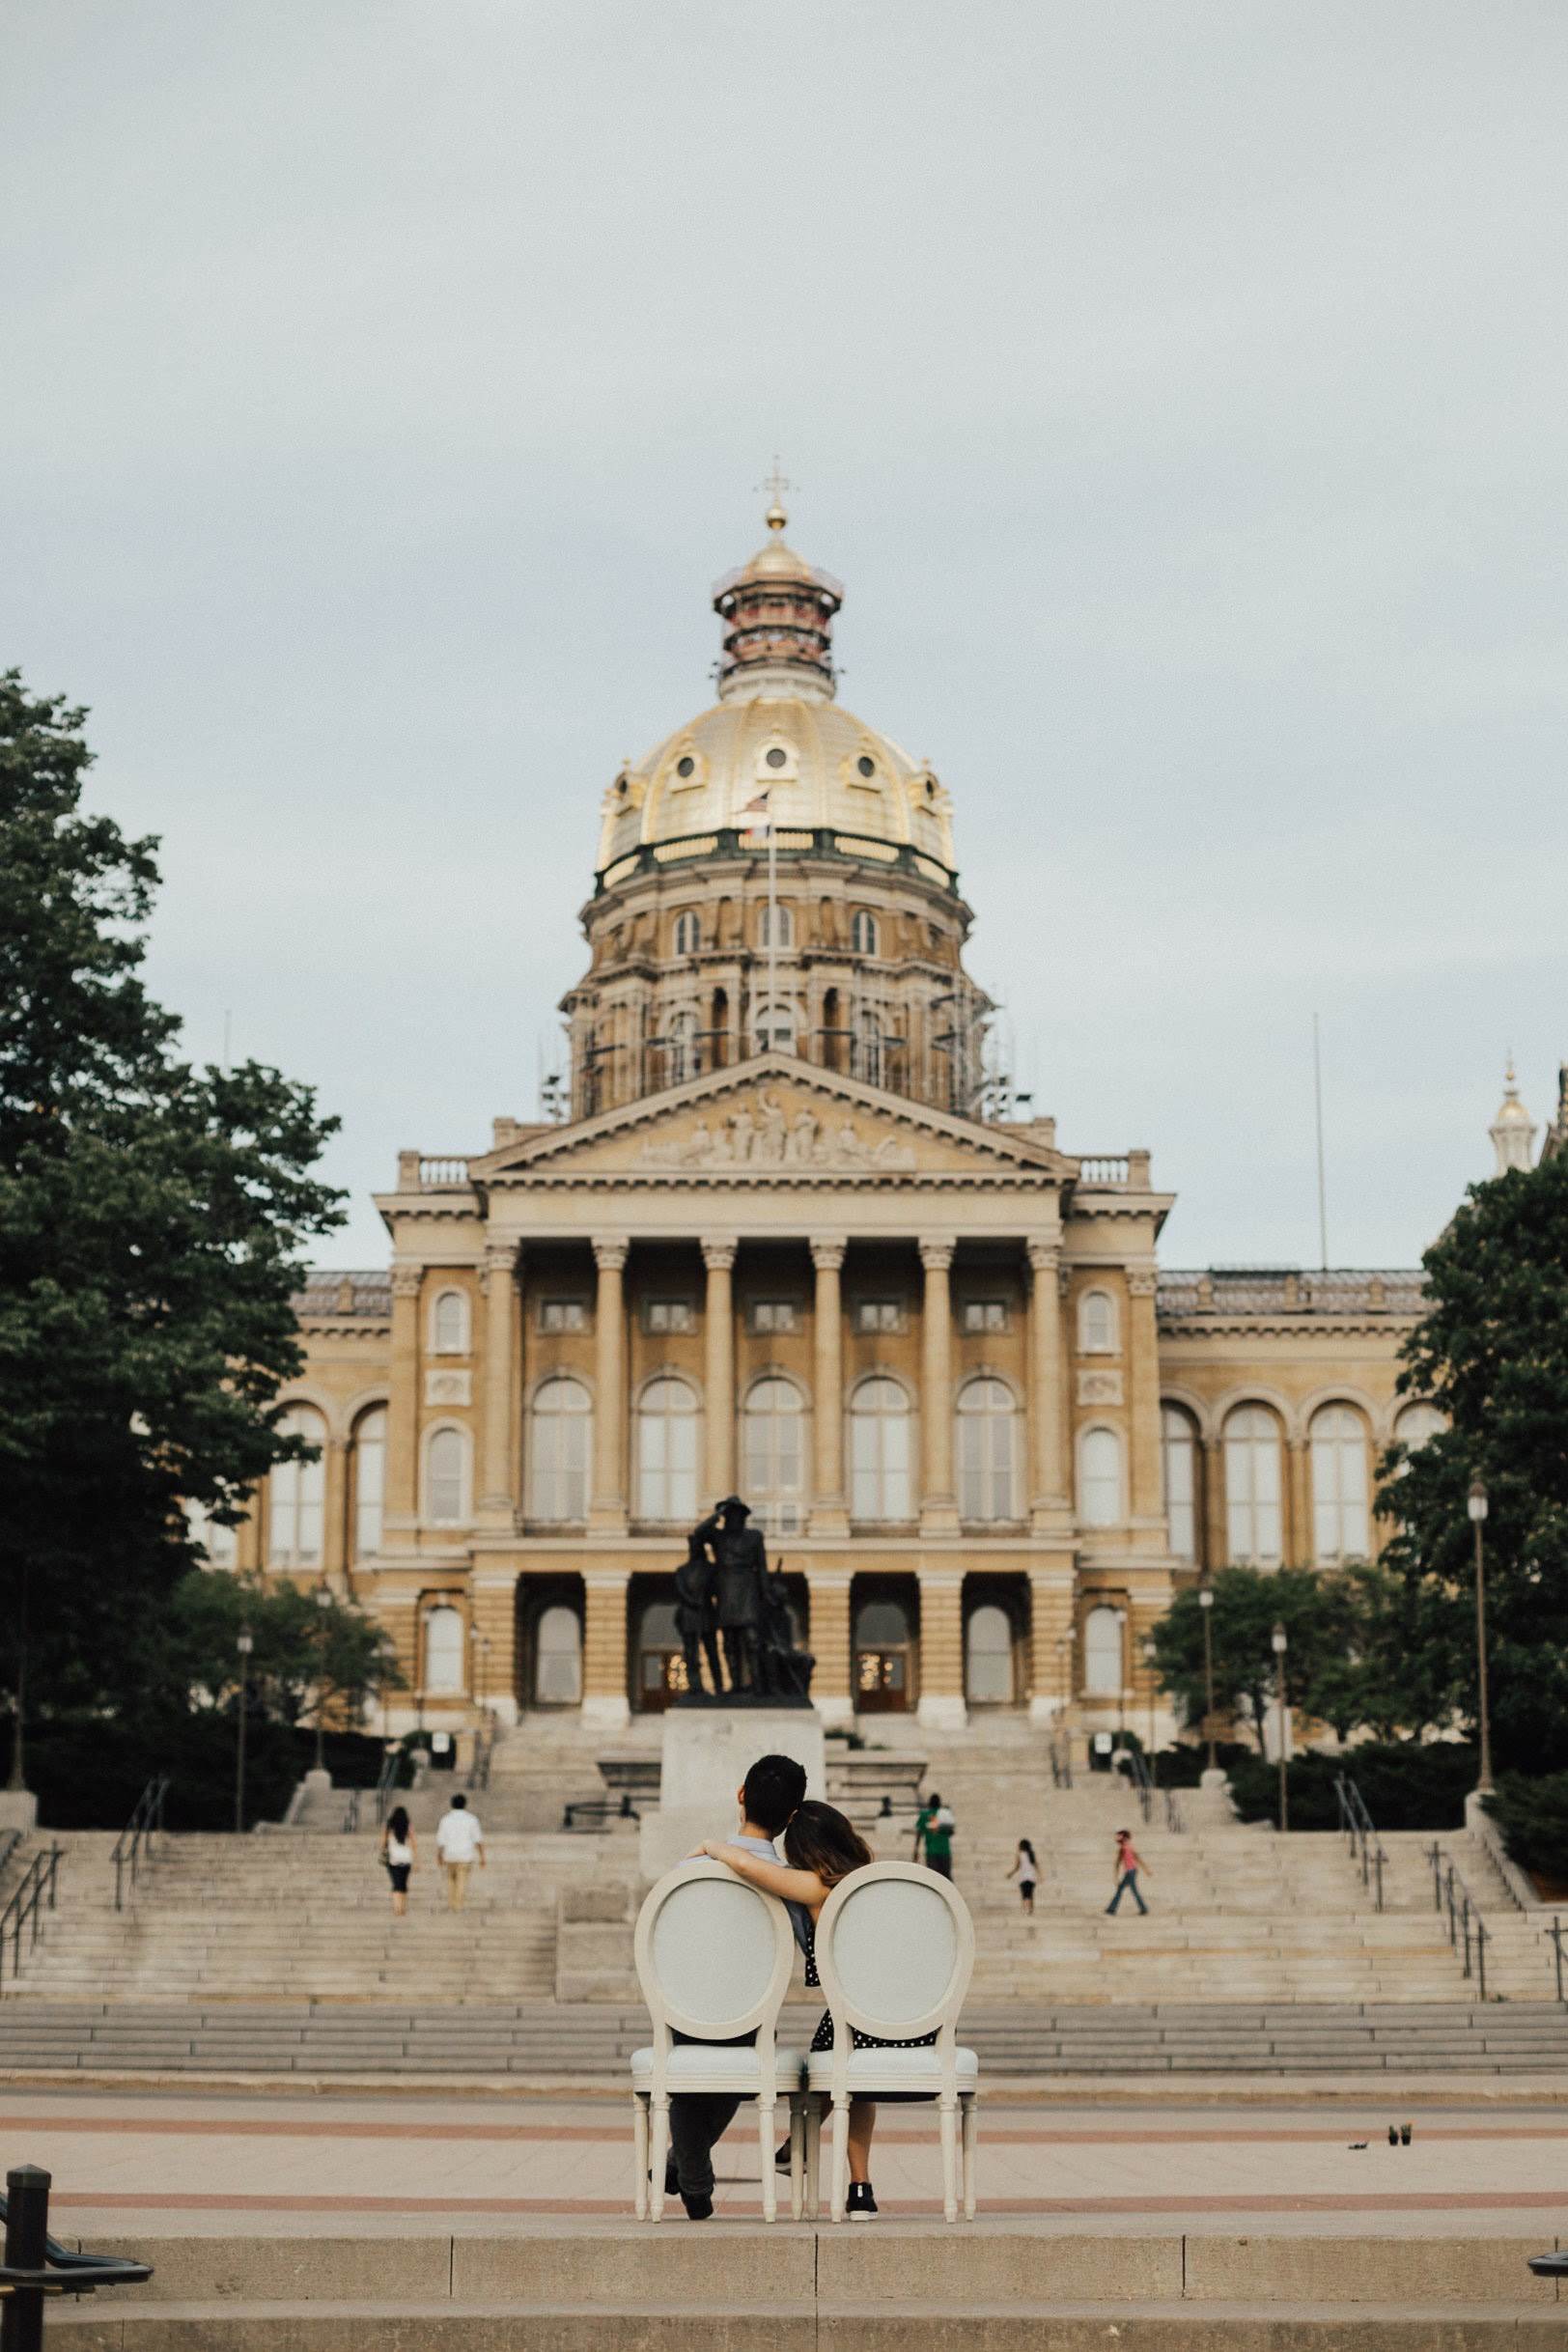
x=1179, y=390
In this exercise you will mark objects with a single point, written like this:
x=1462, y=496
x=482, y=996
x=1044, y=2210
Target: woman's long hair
x=1025, y=1847
x=818, y=1838
x=397, y=1825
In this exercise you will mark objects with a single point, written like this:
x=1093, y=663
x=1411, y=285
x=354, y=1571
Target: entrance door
x=885, y=1658
x=660, y=1674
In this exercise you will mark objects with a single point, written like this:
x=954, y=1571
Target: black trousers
x=740, y=1656
x=698, y=2122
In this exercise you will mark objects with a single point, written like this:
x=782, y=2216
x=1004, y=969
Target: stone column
x=941, y=1649
x=498, y=1369
x=1215, y=1534
x=718, y=1335
x=334, y=1511
x=403, y=1411
x=1145, y=1484
x=829, y=1513
x=1297, y=1534
x=832, y=1689
x=939, y=1505
x=1049, y=1505
x=493, y=1670
x=605, y=1649
x=1051, y=1620
x=607, y=1512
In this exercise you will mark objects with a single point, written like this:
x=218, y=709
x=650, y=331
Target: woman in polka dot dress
x=820, y=1847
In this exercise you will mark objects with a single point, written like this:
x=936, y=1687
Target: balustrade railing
x=24, y=1913
x=1465, y=1926
x=1356, y=1825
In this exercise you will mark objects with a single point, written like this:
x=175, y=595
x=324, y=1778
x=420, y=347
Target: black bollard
x=27, y=2233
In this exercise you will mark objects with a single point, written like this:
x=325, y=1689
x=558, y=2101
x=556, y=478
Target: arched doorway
x=550, y=1642
x=657, y=1667
x=445, y=1675
x=995, y=1616
x=887, y=1621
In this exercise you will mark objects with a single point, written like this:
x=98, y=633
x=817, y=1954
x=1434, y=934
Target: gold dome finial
x=775, y=485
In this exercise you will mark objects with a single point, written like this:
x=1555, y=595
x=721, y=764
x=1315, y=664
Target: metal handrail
x=479, y=1770
x=10, y=1840
x=351, y=1812
x=38, y=1886
x=1175, y=1819
x=386, y=1782
x=1358, y=1826
x=136, y=1840
x=36, y=2266
x=1465, y=1919
x=1143, y=1786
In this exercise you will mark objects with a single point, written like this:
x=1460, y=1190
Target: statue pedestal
x=707, y=1754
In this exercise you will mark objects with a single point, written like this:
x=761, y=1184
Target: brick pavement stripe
x=608, y=2132
x=1414, y=2201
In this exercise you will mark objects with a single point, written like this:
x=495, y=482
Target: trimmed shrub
x=1404, y=1785
x=1532, y=1815
x=89, y=1772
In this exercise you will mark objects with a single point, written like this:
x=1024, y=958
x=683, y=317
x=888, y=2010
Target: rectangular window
x=562, y=1314
x=878, y=1315
x=669, y=1315
x=773, y=1315
x=984, y=1314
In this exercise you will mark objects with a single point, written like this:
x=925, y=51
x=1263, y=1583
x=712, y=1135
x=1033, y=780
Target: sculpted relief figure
x=772, y=1137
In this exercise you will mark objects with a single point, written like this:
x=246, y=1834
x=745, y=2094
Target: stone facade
x=787, y=1240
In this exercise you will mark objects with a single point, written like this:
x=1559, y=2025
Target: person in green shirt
x=935, y=1829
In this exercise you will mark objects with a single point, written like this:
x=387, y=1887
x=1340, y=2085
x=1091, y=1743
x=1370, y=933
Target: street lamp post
x=1477, y=1507
x=1280, y=1644
x=245, y=1644
x=1121, y=1652
x=324, y=1602
x=1206, y=1605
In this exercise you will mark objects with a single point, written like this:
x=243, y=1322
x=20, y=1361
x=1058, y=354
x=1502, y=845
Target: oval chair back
x=713, y=1958
x=895, y=1952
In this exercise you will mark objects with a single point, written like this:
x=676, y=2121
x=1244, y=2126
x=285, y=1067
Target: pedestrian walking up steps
x=997, y=2284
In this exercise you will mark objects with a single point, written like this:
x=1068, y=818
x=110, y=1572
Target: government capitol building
x=785, y=1238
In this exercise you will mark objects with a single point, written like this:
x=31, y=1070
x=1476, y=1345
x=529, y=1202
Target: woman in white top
x=400, y=1853
x=1026, y=1870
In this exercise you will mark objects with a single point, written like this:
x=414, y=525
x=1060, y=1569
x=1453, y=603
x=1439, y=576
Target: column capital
x=936, y=1252
x=1143, y=1282
x=501, y=1258
x=610, y=1251
x=407, y=1281
x=1045, y=1255
x=828, y=1251
x=719, y=1252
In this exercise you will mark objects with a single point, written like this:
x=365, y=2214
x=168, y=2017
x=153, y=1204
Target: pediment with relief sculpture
x=773, y=1120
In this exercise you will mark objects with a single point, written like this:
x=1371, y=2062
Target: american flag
x=757, y=810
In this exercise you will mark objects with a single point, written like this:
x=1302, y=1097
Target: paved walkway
x=287, y=2163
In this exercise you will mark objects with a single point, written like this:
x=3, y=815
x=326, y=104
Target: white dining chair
x=895, y=1951
x=713, y=1958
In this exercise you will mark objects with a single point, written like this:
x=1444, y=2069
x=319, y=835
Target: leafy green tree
x=313, y=1661
x=153, y=1220
x=1491, y=1352
x=1248, y=1602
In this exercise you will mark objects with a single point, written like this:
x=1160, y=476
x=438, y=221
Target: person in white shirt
x=459, y=1842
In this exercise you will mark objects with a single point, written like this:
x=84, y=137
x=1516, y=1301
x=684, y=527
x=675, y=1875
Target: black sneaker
x=781, y=2157
x=862, y=2205
x=697, y=2208
x=672, y=2179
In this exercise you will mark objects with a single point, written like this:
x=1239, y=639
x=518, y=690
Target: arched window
x=885, y=1658
x=868, y=1049
x=1339, y=1527
x=446, y=1478
x=370, y=1480
x=1252, y=1523
x=449, y=1324
x=1100, y=1479
x=687, y=933
x=559, y=1657
x=775, y=927
x=988, y=1657
x=862, y=933
x=1179, y=1461
x=776, y=1029
x=772, y=1449
x=561, y=1432
x=667, y=1453
x=986, y=1452
x=1103, y=1653
x=220, y=1544
x=1097, y=1323
x=1416, y=1427
x=681, y=1049
x=879, y=1452
x=297, y=1492
x=444, y=1676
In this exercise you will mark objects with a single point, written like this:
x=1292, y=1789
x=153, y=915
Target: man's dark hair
x=459, y=1801
x=772, y=1791
x=933, y=1799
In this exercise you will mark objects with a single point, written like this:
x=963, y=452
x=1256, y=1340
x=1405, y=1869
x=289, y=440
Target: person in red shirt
x=1128, y=1864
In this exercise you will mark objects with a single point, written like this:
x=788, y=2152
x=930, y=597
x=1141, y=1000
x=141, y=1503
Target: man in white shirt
x=459, y=1842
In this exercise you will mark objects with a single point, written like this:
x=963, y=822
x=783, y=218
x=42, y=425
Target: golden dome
x=819, y=766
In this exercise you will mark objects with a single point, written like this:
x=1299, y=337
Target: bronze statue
x=697, y=1618
x=725, y=1580
x=739, y=1570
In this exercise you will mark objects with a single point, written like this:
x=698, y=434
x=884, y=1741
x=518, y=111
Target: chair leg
x=766, y=2126
x=971, y=2122
x=659, y=2156
x=639, y=2143
x=949, y=2122
x=841, y=2158
x=814, y=2107
x=797, y=2150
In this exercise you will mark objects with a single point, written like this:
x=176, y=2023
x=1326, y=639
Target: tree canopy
x=1491, y=1351
x=152, y=1220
